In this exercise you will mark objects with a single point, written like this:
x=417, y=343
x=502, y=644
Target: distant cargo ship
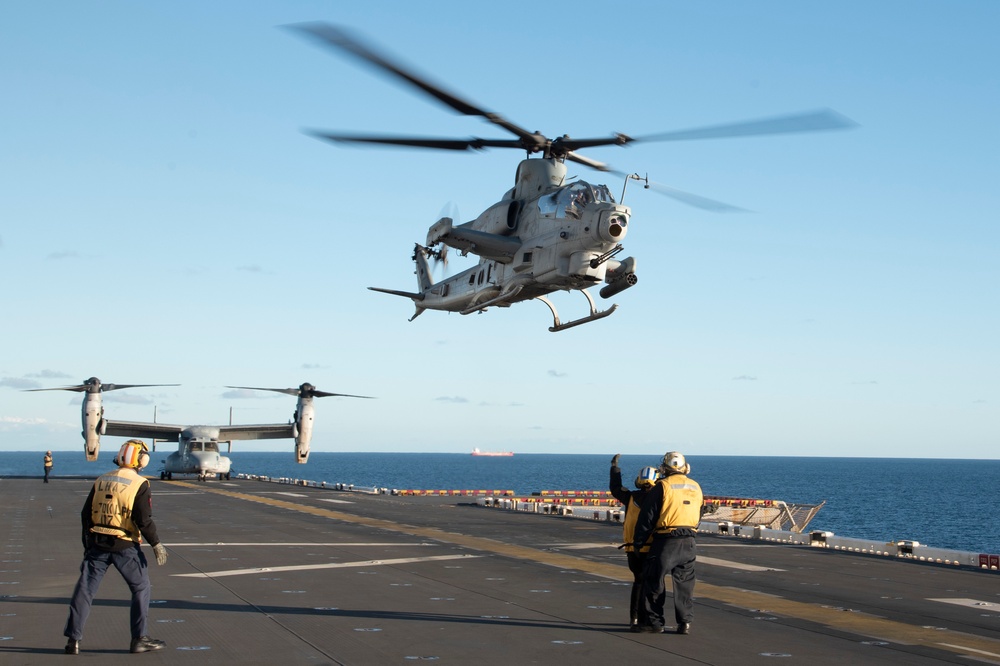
x=477, y=452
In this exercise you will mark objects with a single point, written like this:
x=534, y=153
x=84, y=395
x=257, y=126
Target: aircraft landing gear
x=593, y=316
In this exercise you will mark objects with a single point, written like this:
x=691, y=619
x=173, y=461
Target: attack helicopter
x=546, y=234
x=198, y=446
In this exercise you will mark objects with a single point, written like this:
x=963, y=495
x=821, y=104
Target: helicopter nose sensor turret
x=613, y=226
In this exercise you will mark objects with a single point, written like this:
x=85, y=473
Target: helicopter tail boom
x=396, y=292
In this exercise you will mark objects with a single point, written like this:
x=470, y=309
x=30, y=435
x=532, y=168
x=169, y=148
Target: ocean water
x=946, y=504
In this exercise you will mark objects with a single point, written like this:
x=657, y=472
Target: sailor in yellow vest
x=117, y=515
x=48, y=465
x=632, y=500
x=670, y=513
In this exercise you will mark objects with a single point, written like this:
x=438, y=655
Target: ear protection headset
x=134, y=453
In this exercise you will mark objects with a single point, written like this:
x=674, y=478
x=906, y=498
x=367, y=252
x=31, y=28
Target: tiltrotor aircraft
x=546, y=234
x=198, y=446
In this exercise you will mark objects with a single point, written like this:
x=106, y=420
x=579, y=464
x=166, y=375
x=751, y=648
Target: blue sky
x=163, y=219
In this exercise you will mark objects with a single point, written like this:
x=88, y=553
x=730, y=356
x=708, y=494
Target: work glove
x=614, y=461
x=161, y=554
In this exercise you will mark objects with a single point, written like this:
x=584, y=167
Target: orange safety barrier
x=424, y=493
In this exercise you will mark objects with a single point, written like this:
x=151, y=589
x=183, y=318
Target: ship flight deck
x=262, y=573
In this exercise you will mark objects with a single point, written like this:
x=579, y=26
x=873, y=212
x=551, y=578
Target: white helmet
x=674, y=463
x=647, y=477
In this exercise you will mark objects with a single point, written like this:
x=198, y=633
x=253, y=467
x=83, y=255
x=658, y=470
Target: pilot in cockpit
x=580, y=197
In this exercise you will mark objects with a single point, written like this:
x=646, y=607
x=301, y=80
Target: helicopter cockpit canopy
x=211, y=446
x=570, y=200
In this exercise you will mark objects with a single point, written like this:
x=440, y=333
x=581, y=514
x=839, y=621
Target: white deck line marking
x=308, y=567
x=733, y=565
x=309, y=544
x=968, y=649
x=970, y=603
x=582, y=546
x=333, y=501
x=701, y=559
x=289, y=494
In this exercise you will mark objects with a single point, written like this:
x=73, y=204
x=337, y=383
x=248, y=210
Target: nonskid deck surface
x=262, y=573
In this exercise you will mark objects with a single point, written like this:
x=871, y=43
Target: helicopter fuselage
x=197, y=453
x=561, y=239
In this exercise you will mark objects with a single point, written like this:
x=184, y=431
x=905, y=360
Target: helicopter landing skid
x=593, y=316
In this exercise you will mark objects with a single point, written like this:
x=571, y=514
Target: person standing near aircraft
x=632, y=501
x=48, y=465
x=670, y=514
x=117, y=515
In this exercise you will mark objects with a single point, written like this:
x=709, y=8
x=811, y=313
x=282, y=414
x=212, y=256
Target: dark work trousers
x=673, y=556
x=131, y=564
x=636, y=564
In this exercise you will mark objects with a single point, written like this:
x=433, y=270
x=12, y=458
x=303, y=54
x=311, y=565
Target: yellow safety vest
x=111, y=509
x=631, y=518
x=48, y=461
x=682, y=500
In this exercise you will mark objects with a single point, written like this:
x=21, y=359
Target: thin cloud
x=251, y=268
x=457, y=399
x=127, y=399
x=17, y=420
x=314, y=366
x=49, y=374
x=870, y=382
x=58, y=256
x=19, y=383
x=556, y=373
x=745, y=378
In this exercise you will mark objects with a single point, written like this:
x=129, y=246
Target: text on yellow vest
x=682, y=500
x=111, y=510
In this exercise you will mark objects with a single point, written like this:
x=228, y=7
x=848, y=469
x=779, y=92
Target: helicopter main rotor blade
x=324, y=394
x=287, y=391
x=103, y=387
x=586, y=161
x=338, y=38
x=310, y=392
x=695, y=200
x=472, y=143
x=115, y=387
x=813, y=121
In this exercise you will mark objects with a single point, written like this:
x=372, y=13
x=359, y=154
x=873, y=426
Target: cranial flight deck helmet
x=674, y=463
x=647, y=477
x=134, y=453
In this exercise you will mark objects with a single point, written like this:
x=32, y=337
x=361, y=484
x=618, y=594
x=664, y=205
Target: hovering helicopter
x=546, y=234
x=198, y=446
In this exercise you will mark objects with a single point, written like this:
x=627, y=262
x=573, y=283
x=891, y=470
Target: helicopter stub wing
x=481, y=243
x=160, y=431
x=263, y=431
